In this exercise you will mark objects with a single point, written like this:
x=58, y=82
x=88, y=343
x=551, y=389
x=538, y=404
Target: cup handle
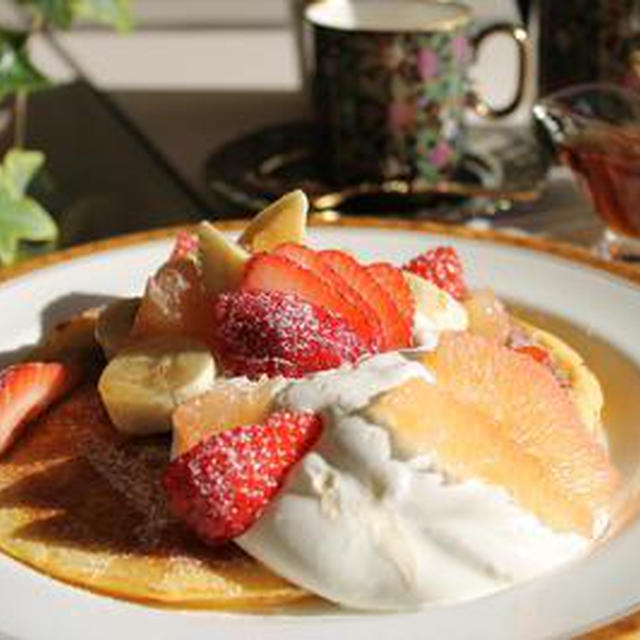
x=519, y=35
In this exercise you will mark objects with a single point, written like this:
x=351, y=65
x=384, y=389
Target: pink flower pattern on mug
x=401, y=115
x=428, y=63
x=441, y=154
x=461, y=49
x=400, y=103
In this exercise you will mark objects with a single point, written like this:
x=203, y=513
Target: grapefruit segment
x=231, y=403
x=502, y=417
x=488, y=317
x=175, y=302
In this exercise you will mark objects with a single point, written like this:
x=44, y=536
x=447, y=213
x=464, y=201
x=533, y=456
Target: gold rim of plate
x=543, y=245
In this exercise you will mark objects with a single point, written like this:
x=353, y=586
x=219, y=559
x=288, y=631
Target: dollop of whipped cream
x=365, y=528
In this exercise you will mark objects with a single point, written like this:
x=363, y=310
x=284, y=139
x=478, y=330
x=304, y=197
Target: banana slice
x=114, y=325
x=144, y=383
x=436, y=310
x=223, y=261
x=283, y=221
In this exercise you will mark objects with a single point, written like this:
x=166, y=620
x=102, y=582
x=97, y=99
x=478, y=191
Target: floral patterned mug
x=390, y=86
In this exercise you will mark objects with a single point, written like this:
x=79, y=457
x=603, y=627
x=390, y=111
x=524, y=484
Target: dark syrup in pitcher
x=607, y=164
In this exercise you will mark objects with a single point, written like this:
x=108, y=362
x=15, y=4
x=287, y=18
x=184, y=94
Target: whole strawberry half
x=276, y=333
x=441, y=266
x=222, y=485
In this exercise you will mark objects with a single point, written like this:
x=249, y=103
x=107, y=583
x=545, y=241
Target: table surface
x=187, y=126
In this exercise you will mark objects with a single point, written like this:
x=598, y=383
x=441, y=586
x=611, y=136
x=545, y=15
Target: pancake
x=80, y=503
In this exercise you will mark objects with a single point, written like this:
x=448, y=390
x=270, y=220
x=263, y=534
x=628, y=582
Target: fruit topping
x=271, y=272
x=229, y=403
x=437, y=310
x=488, y=317
x=443, y=267
x=144, y=383
x=314, y=261
x=277, y=333
x=175, y=302
x=185, y=246
x=27, y=390
x=114, y=324
x=393, y=332
x=223, y=261
x=539, y=354
x=222, y=485
x=72, y=337
x=390, y=279
x=283, y=221
x=501, y=417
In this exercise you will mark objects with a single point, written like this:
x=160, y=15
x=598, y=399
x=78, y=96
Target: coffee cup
x=390, y=86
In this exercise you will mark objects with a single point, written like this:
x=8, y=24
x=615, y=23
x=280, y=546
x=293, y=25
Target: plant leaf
x=16, y=69
x=56, y=12
x=62, y=13
x=21, y=217
x=19, y=169
x=116, y=13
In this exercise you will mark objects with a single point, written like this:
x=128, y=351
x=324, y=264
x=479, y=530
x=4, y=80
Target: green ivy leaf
x=62, y=13
x=56, y=12
x=116, y=13
x=21, y=217
x=16, y=70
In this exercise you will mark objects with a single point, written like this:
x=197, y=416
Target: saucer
x=501, y=168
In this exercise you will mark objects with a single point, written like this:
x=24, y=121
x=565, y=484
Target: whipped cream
x=363, y=527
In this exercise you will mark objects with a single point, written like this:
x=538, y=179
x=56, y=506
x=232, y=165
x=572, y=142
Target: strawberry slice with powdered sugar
x=313, y=261
x=395, y=332
x=271, y=272
x=390, y=278
x=222, y=485
x=275, y=333
x=26, y=390
x=441, y=266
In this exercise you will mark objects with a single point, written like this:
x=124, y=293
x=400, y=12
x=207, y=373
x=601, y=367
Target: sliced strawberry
x=390, y=278
x=27, y=390
x=313, y=261
x=185, y=246
x=441, y=266
x=222, y=485
x=270, y=272
x=275, y=333
x=395, y=335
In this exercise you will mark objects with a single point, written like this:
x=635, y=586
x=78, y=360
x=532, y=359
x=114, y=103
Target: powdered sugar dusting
x=222, y=485
x=135, y=476
x=270, y=332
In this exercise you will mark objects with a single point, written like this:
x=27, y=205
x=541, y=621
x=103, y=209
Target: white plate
x=596, y=589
